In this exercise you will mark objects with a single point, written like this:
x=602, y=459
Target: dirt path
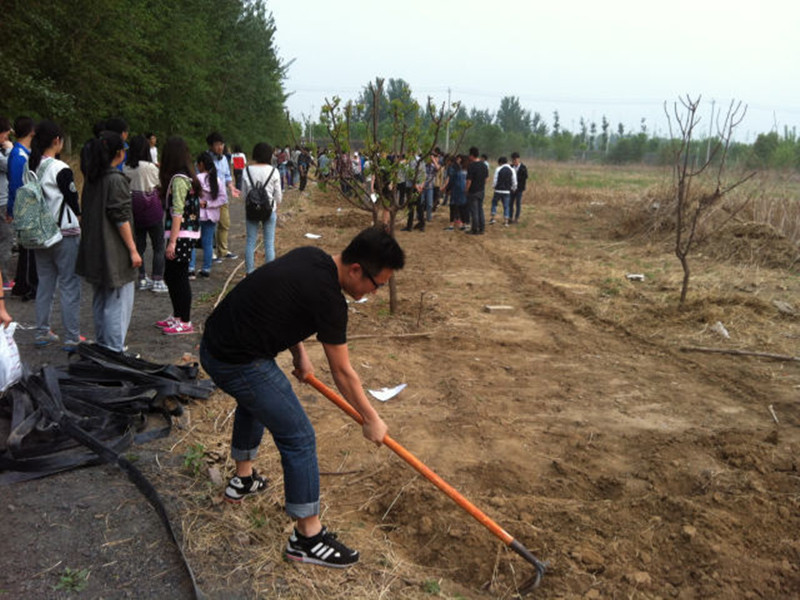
x=574, y=420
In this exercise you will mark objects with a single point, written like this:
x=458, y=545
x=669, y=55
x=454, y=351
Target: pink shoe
x=168, y=322
x=178, y=328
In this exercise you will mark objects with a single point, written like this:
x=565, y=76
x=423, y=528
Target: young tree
x=384, y=153
x=690, y=207
x=604, y=137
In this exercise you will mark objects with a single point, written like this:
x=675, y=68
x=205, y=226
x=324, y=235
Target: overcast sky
x=618, y=58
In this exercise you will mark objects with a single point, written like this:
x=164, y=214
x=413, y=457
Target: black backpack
x=504, y=178
x=258, y=204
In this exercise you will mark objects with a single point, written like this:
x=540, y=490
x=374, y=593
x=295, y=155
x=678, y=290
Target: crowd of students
x=425, y=182
x=177, y=202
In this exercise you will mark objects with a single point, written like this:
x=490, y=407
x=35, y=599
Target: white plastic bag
x=10, y=364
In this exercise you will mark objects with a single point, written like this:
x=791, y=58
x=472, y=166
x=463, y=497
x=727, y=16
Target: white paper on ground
x=384, y=394
x=312, y=236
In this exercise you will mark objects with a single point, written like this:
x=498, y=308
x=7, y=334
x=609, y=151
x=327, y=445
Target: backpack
x=504, y=178
x=258, y=205
x=34, y=223
x=147, y=208
x=189, y=234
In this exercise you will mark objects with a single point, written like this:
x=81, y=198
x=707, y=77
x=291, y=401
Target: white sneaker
x=159, y=287
x=145, y=283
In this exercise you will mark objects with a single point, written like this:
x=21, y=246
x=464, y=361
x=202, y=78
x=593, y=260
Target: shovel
x=473, y=510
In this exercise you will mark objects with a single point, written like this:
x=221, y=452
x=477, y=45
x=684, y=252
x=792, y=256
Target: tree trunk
x=685, y=284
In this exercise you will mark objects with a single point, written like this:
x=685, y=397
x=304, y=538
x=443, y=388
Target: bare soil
x=576, y=419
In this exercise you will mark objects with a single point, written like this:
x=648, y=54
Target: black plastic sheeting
x=89, y=413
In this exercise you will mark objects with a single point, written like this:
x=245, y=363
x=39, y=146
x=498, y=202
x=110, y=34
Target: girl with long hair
x=179, y=191
x=55, y=266
x=107, y=255
x=212, y=197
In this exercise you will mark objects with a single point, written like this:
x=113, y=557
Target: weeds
x=257, y=518
x=193, y=459
x=73, y=580
x=432, y=587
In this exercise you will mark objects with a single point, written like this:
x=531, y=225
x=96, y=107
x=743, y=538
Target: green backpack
x=34, y=223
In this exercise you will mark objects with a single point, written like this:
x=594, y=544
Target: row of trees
x=513, y=127
x=185, y=66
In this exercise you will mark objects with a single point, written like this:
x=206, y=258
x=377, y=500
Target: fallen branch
x=227, y=282
x=740, y=353
x=365, y=336
x=774, y=416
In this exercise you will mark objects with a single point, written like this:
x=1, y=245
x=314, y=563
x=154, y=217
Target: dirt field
x=574, y=419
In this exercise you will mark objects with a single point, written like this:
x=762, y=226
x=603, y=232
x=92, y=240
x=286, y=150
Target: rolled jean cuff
x=238, y=454
x=301, y=511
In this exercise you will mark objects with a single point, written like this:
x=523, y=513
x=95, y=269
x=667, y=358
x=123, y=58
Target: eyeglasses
x=372, y=279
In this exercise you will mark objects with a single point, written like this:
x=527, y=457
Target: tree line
x=179, y=67
x=189, y=67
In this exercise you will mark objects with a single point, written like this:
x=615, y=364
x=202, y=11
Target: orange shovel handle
x=412, y=460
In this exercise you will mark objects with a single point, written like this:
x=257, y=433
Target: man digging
x=275, y=309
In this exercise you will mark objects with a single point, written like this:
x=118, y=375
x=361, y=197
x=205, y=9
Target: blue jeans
x=112, y=309
x=515, y=206
x=265, y=399
x=207, y=230
x=253, y=227
x=427, y=203
x=282, y=171
x=504, y=198
x=476, y=214
x=56, y=267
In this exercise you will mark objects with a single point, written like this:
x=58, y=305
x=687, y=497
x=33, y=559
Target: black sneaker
x=239, y=487
x=322, y=549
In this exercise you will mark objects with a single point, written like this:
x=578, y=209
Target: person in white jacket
x=505, y=183
x=261, y=171
x=55, y=266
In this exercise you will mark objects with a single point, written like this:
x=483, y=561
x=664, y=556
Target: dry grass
x=240, y=548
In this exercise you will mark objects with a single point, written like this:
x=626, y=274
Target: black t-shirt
x=277, y=306
x=477, y=174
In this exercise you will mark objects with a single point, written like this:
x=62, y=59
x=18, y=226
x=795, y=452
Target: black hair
x=149, y=135
x=97, y=154
x=262, y=153
x=46, y=133
x=237, y=148
x=214, y=137
x=117, y=125
x=138, y=151
x=514, y=155
x=374, y=249
x=473, y=151
x=502, y=160
x=5, y=124
x=23, y=126
x=98, y=128
x=175, y=159
x=210, y=167
x=485, y=156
